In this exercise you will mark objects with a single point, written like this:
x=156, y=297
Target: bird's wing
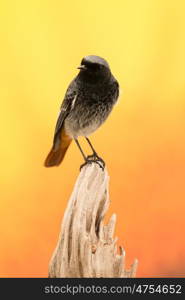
x=65, y=109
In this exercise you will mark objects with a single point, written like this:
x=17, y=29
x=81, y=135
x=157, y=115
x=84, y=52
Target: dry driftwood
x=86, y=247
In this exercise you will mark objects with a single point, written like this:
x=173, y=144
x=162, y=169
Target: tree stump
x=86, y=247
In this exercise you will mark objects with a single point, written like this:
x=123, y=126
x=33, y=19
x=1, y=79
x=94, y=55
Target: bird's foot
x=96, y=161
x=95, y=157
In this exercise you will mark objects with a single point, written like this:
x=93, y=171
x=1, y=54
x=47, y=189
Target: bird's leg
x=87, y=161
x=94, y=155
x=93, y=150
x=77, y=142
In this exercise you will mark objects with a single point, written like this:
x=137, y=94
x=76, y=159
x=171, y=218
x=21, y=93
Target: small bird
x=88, y=102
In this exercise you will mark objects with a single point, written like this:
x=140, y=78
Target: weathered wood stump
x=86, y=247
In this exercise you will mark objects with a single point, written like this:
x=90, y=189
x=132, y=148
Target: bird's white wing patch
x=64, y=108
x=73, y=102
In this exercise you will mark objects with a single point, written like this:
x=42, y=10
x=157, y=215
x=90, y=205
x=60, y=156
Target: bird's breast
x=85, y=118
x=90, y=110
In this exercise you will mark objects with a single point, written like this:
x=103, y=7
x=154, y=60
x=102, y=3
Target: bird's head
x=94, y=68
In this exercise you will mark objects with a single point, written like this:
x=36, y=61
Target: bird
x=88, y=101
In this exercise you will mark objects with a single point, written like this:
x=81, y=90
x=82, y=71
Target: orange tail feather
x=56, y=156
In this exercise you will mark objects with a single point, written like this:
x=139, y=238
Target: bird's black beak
x=82, y=67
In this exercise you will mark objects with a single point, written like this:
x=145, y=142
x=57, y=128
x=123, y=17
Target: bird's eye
x=95, y=67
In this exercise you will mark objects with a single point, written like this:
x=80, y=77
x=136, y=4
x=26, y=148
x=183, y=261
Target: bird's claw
x=96, y=158
x=96, y=161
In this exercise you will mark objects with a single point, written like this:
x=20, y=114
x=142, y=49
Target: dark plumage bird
x=88, y=101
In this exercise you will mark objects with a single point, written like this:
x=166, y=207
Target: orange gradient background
x=143, y=141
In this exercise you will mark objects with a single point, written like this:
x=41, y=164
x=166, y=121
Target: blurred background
x=143, y=141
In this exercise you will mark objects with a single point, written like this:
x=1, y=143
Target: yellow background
x=143, y=142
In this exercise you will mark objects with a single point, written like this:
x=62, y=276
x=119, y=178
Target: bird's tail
x=57, y=153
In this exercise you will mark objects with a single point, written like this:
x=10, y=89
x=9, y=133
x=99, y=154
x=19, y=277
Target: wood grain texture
x=86, y=247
